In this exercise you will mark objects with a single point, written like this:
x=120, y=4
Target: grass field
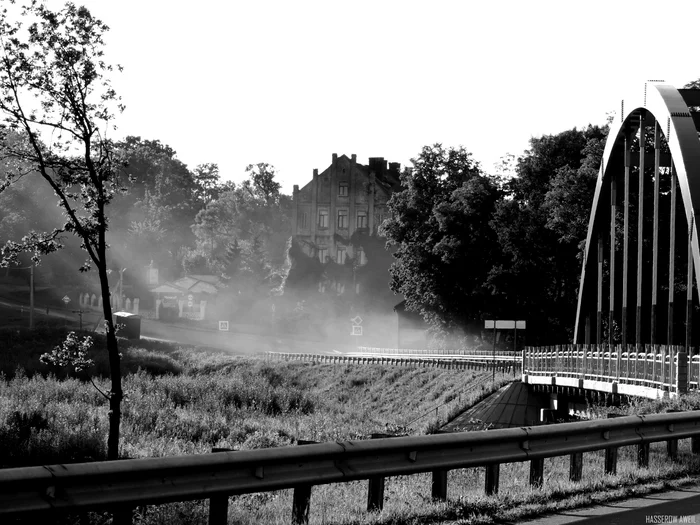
x=187, y=400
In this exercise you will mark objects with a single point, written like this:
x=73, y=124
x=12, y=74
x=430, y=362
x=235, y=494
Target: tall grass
x=181, y=400
x=184, y=400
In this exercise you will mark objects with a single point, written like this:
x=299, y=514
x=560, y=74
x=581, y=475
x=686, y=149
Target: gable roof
x=191, y=284
x=168, y=288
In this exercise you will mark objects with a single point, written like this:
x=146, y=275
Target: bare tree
x=56, y=109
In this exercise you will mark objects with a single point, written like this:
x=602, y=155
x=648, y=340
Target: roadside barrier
x=450, y=363
x=441, y=352
x=48, y=491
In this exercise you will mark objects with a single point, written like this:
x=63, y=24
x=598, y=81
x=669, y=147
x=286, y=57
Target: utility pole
x=80, y=316
x=493, y=362
x=31, y=296
x=121, y=288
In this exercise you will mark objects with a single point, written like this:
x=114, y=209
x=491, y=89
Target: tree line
x=472, y=246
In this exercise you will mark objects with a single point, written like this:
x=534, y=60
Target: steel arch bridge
x=642, y=255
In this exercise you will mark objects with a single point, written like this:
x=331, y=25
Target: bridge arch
x=620, y=288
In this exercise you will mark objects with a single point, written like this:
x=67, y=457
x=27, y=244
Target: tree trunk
x=116, y=394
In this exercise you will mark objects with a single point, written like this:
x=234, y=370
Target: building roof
x=168, y=288
x=211, y=279
x=386, y=179
x=209, y=284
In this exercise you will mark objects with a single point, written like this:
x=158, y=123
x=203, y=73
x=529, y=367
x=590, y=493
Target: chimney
x=335, y=158
x=315, y=172
x=296, y=189
x=378, y=166
x=354, y=158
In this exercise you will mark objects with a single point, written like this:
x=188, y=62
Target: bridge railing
x=43, y=492
x=657, y=367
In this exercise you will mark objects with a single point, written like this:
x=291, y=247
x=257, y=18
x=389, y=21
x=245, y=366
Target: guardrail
x=125, y=484
x=457, y=363
x=644, y=370
x=444, y=352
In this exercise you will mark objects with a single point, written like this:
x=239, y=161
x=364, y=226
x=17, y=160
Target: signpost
x=356, y=325
x=504, y=325
x=80, y=316
x=66, y=300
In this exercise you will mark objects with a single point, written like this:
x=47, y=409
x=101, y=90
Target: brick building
x=346, y=197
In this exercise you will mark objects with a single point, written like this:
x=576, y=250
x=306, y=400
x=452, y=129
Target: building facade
x=345, y=198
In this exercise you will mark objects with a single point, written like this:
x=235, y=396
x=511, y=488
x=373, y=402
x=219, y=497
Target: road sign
x=189, y=304
x=223, y=326
x=505, y=325
x=356, y=330
x=357, y=320
x=66, y=299
x=190, y=298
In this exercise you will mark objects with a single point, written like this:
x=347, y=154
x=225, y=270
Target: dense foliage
x=472, y=246
x=440, y=227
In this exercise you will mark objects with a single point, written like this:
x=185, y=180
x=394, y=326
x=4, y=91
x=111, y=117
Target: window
x=341, y=255
x=343, y=189
x=323, y=218
x=303, y=220
x=342, y=219
x=361, y=219
x=323, y=255
x=361, y=257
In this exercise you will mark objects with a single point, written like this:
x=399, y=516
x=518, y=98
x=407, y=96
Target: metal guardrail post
x=672, y=444
x=218, y=505
x=375, y=488
x=695, y=445
x=537, y=472
x=301, y=500
x=439, y=486
x=611, y=452
x=643, y=455
x=611, y=460
x=492, y=478
x=576, y=466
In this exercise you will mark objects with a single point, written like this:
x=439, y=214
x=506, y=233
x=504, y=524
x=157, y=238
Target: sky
x=291, y=83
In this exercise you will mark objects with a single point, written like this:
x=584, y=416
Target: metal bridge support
x=655, y=233
x=640, y=229
x=671, y=260
x=626, y=166
x=613, y=215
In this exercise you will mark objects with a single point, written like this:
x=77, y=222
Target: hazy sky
x=291, y=82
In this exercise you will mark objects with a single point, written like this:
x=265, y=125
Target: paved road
x=235, y=342
x=677, y=506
